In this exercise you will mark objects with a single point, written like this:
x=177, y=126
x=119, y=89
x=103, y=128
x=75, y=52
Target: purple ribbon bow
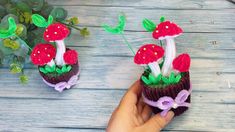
x=166, y=103
x=62, y=85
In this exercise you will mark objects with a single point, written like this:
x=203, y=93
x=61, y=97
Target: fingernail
x=169, y=116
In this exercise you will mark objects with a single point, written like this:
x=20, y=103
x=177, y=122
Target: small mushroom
x=150, y=54
x=167, y=31
x=43, y=54
x=57, y=32
x=182, y=63
x=71, y=57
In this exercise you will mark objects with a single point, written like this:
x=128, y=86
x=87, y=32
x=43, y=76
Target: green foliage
x=59, y=13
x=73, y=21
x=117, y=29
x=161, y=80
x=149, y=25
x=14, y=45
x=24, y=79
x=40, y=21
x=162, y=19
x=172, y=79
x=84, y=32
x=11, y=29
x=60, y=70
x=15, y=68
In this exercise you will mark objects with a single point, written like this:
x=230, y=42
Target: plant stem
x=127, y=43
x=161, y=43
x=72, y=26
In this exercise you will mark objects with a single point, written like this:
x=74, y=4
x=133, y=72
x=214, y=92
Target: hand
x=133, y=115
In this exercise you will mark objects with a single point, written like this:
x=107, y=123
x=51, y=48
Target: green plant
x=54, y=69
x=19, y=34
x=172, y=79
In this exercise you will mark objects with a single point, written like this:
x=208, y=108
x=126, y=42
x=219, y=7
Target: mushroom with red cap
x=57, y=32
x=43, y=54
x=71, y=57
x=150, y=54
x=167, y=31
x=182, y=63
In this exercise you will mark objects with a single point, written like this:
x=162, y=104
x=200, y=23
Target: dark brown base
x=54, y=79
x=154, y=93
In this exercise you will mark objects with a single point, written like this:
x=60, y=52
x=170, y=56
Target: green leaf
x=23, y=79
x=40, y=21
x=177, y=79
x=152, y=79
x=23, y=6
x=64, y=69
x=84, y=32
x=162, y=19
x=59, y=13
x=145, y=80
x=119, y=28
x=50, y=20
x=165, y=80
x=48, y=68
x=11, y=29
x=58, y=70
x=69, y=68
x=43, y=70
x=36, y=4
x=15, y=68
x=149, y=25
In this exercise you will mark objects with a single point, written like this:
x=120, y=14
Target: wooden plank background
x=107, y=68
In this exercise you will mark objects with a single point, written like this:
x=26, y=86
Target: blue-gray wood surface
x=107, y=68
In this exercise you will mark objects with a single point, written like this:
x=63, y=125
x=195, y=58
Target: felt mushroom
x=57, y=32
x=71, y=57
x=43, y=54
x=167, y=31
x=182, y=63
x=150, y=54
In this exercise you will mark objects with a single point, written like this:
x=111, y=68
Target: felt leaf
x=177, y=79
x=59, y=13
x=64, y=69
x=152, y=79
x=50, y=20
x=41, y=69
x=145, y=80
x=39, y=20
x=48, y=68
x=165, y=80
x=69, y=68
x=58, y=70
x=119, y=28
x=159, y=77
x=11, y=29
x=162, y=19
x=149, y=25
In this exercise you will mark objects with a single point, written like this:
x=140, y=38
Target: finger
x=140, y=105
x=131, y=96
x=146, y=113
x=157, y=123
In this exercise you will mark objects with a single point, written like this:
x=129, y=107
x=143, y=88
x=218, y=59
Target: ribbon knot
x=66, y=85
x=166, y=103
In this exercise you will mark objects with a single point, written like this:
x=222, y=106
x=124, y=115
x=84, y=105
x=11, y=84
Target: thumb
x=157, y=122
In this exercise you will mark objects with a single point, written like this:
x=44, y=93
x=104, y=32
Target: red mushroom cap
x=182, y=63
x=71, y=57
x=42, y=54
x=148, y=53
x=56, y=31
x=166, y=29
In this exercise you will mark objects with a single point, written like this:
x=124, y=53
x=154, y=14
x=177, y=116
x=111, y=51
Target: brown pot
x=154, y=93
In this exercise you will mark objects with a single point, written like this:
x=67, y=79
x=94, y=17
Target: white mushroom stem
x=170, y=53
x=51, y=63
x=155, y=69
x=60, y=50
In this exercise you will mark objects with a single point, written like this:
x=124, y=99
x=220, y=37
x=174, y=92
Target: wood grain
x=107, y=69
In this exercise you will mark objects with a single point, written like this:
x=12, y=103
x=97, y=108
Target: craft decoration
x=58, y=66
x=165, y=81
x=19, y=35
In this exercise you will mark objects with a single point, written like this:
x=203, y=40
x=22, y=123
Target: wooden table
x=107, y=68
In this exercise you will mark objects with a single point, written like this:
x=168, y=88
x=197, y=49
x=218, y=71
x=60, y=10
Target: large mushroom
x=57, y=32
x=182, y=63
x=167, y=31
x=150, y=54
x=43, y=54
